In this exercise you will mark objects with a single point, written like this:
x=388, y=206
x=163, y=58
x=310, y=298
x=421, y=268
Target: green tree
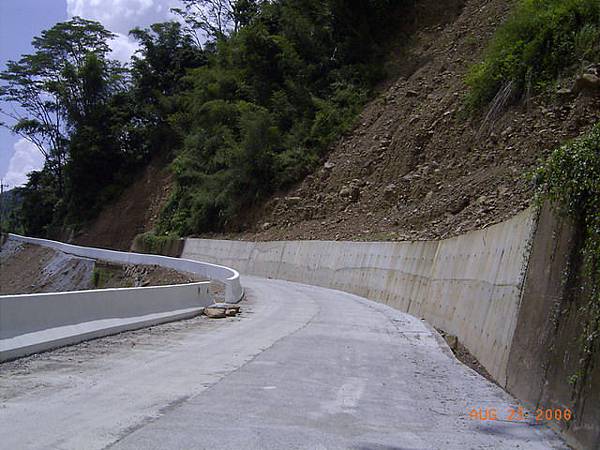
x=49, y=91
x=166, y=54
x=72, y=102
x=216, y=19
x=276, y=91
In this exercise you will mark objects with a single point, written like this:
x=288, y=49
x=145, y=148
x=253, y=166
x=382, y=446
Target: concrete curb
x=229, y=277
x=32, y=323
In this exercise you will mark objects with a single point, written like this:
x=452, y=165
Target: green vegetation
x=244, y=96
x=107, y=275
x=10, y=203
x=156, y=244
x=94, y=120
x=571, y=179
x=276, y=92
x=101, y=276
x=541, y=40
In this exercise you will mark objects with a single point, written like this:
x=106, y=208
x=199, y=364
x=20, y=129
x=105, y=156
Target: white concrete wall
x=469, y=285
x=29, y=313
x=229, y=277
x=37, y=322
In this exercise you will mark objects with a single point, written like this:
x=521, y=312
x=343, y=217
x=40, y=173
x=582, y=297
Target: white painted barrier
x=229, y=277
x=468, y=286
x=36, y=322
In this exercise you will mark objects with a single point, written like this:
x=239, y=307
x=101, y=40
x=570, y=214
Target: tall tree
x=164, y=56
x=50, y=88
x=216, y=19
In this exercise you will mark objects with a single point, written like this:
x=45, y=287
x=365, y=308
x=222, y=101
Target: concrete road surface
x=303, y=368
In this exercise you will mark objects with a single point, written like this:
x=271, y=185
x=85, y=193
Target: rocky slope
x=416, y=166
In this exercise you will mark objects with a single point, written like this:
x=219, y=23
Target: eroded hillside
x=416, y=166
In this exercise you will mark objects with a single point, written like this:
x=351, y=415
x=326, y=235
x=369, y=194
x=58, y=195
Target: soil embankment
x=135, y=212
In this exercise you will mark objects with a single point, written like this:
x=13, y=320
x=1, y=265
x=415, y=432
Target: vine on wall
x=570, y=179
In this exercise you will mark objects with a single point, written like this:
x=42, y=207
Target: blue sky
x=21, y=20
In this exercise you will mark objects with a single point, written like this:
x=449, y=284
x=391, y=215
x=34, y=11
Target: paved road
x=304, y=367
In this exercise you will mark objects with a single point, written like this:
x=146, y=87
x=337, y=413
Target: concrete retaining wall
x=468, y=286
x=547, y=348
x=37, y=322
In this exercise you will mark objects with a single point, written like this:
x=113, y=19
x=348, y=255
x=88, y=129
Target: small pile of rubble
x=221, y=310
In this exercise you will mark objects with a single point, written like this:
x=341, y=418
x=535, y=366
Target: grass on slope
x=541, y=40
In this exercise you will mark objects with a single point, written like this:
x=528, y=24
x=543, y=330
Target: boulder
x=389, y=191
x=351, y=192
x=215, y=312
x=345, y=192
x=231, y=312
x=587, y=83
x=221, y=310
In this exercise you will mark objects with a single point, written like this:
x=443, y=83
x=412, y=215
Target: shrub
x=149, y=242
x=539, y=41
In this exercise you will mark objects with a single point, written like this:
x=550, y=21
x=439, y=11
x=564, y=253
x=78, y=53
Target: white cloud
x=122, y=48
x=120, y=16
x=25, y=159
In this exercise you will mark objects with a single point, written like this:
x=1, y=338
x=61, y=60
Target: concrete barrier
x=229, y=277
x=37, y=322
x=468, y=286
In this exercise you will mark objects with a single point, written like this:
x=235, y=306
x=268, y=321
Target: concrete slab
x=305, y=367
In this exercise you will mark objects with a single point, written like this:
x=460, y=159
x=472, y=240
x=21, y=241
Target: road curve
x=305, y=367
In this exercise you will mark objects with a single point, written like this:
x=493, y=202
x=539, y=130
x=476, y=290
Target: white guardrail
x=31, y=323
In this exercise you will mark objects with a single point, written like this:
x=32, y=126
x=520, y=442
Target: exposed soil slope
x=415, y=166
x=110, y=275
x=135, y=212
x=28, y=269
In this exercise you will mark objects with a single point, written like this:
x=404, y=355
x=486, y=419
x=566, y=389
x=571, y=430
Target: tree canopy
x=243, y=96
